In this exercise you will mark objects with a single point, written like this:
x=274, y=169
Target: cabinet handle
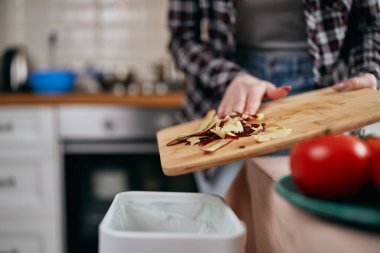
x=9, y=251
x=109, y=125
x=6, y=127
x=8, y=182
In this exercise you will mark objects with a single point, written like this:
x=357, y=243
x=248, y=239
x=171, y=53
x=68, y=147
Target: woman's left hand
x=365, y=80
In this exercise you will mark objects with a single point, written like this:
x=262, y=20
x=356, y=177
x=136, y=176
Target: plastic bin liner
x=199, y=218
x=139, y=222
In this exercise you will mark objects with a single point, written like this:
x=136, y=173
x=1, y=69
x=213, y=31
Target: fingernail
x=285, y=87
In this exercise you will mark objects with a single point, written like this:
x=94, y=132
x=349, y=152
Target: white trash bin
x=164, y=222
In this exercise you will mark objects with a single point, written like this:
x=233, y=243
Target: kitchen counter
x=169, y=100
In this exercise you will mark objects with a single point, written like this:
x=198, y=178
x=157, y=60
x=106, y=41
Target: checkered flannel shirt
x=343, y=39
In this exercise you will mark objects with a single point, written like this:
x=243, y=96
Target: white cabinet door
x=29, y=185
x=30, y=180
x=29, y=237
x=20, y=244
x=27, y=123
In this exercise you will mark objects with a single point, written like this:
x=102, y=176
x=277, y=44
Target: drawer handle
x=9, y=251
x=6, y=127
x=109, y=125
x=9, y=182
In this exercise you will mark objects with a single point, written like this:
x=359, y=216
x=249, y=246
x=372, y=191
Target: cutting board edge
x=181, y=170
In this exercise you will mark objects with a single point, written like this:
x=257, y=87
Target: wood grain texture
x=308, y=114
x=169, y=100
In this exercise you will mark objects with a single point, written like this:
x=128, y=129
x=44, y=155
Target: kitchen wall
x=10, y=17
x=2, y=23
x=76, y=33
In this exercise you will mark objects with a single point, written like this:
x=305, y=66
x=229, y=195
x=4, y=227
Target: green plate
x=362, y=210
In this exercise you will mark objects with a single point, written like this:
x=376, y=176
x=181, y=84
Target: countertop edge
x=168, y=100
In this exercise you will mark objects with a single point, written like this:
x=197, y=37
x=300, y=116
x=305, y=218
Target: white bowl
x=164, y=222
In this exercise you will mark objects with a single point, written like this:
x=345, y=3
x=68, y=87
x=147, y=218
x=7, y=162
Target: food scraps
x=214, y=133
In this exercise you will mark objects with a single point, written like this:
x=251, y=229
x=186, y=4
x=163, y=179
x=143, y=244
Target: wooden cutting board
x=308, y=114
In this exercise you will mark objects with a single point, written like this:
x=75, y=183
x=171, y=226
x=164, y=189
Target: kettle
x=15, y=70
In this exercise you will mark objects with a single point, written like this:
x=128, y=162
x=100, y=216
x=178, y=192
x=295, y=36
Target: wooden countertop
x=169, y=100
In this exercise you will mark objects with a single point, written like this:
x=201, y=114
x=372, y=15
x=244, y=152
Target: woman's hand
x=365, y=80
x=245, y=93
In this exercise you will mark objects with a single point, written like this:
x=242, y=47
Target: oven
x=109, y=149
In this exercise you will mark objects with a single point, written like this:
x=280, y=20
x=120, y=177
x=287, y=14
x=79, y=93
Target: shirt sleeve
x=192, y=55
x=365, y=52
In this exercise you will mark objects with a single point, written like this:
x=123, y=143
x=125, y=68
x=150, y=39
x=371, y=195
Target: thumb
x=350, y=84
x=363, y=81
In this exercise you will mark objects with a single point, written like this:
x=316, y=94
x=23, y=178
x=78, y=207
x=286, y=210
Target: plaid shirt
x=343, y=39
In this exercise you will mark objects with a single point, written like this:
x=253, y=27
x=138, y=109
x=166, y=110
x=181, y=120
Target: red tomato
x=373, y=143
x=376, y=173
x=331, y=166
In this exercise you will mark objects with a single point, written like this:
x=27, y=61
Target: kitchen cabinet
x=27, y=185
x=107, y=142
x=23, y=124
x=111, y=122
x=30, y=181
x=29, y=237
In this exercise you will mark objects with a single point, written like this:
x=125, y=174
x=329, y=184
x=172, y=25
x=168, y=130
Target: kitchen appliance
x=308, y=114
x=109, y=149
x=15, y=68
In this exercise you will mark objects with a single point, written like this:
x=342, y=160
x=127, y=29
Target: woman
x=237, y=52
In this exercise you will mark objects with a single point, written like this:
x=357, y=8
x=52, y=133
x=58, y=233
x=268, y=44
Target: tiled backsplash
x=101, y=33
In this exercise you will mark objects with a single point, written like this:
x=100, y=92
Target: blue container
x=52, y=81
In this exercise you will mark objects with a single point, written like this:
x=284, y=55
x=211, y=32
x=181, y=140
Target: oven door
x=96, y=170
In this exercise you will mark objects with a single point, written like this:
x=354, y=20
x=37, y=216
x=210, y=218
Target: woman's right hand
x=245, y=93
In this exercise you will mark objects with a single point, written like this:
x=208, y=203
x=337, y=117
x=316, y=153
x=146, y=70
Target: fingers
x=235, y=96
x=234, y=102
x=222, y=109
x=350, y=84
x=363, y=81
x=254, y=98
x=239, y=102
x=245, y=94
x=276, y=93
